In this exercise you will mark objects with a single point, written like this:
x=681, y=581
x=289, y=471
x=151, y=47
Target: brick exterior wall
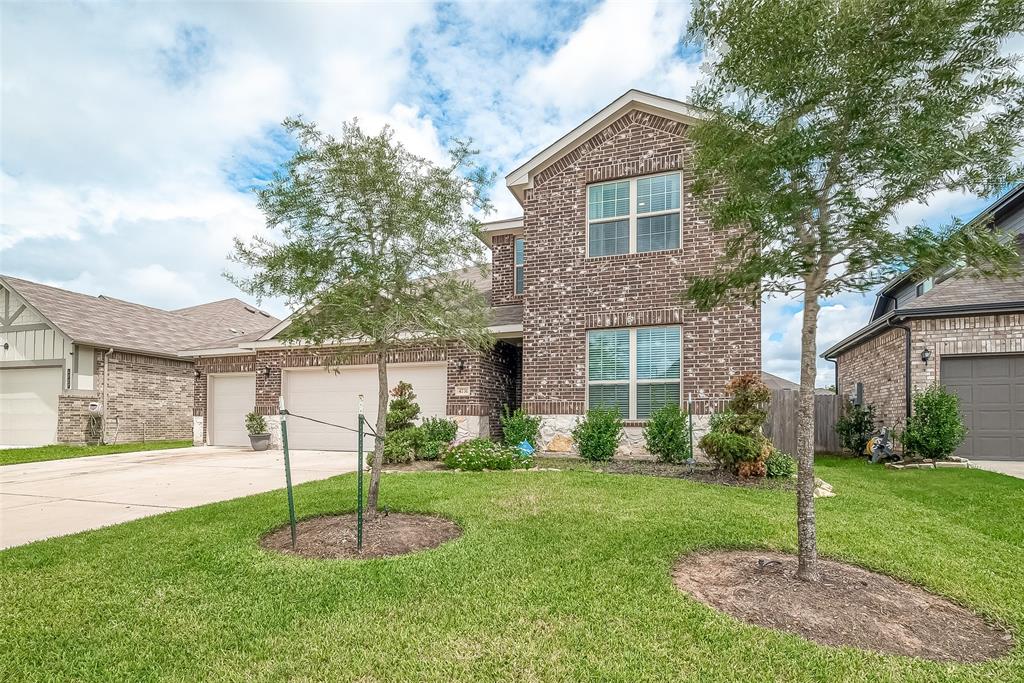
x=878, y=363
x=148, y=398
x=503, y=271
x=568, y=293
x=490, y=379
x=75, y=424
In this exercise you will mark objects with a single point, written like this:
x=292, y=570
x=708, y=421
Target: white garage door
x=28, y=406
x=230, y=398
x=333, y=397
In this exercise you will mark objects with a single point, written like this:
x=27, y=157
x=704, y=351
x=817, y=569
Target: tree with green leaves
x=823, y=118
x=368, y=244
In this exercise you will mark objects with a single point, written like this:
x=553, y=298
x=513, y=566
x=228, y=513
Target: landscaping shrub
x=518, y=426
x=403, y=409
x=935, y=430
x=780, y=464
x=597, y=435
x=255, y=424
x=735, y=440
x=435, y=435
x=483, y=454
x=667, y=435
x=401, y=446
x=855, y=427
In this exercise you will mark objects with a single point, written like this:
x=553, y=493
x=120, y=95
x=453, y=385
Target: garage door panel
x=333, y=397
x=28, y=405
x=231, y=398
x=991, y=392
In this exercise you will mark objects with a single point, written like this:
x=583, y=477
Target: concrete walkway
x=43, y=499
x=1013, y=468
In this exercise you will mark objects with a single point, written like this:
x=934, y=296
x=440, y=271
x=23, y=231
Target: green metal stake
x=689, y=413
x=287, y=467
x=359, y=483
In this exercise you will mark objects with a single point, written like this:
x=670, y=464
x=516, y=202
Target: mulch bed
x=653, y=468
x=850, y=606
x=334, y=537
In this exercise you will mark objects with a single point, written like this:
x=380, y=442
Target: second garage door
x=231, y=397
x=28, y=406
x=991, y=391
x=333, y=397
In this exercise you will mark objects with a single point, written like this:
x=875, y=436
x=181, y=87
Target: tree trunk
x=805, y=524
x=380, y=428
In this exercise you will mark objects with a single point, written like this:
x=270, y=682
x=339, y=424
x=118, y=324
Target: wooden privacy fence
x=780, y=426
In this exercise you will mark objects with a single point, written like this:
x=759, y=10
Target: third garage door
x=333, y=397
x=991, y=391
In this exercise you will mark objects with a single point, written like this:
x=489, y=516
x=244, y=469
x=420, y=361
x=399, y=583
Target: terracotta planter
x=260, y=442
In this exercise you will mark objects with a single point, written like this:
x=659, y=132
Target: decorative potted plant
x=259, y=437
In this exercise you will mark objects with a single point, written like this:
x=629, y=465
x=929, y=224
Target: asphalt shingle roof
x=968, y=291
x=107, y=322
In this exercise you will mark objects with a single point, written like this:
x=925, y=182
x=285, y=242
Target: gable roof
x=104, y=321
x=522, y=178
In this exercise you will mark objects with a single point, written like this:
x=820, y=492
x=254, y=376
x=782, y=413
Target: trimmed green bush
x=483, y=454
x=597, y=435
x=255, y=424
x=518, y=426
x=401, y=446
x=855, y=427
x=935, y=430
x=667, y=435
x=403, y=409
x=780, y=464
x=436, y=433
x=735, y=440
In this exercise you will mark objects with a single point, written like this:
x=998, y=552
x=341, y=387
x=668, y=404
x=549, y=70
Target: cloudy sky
x=132, y=134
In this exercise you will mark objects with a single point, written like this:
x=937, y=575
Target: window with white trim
x=616, y=224
x=635, y=370
x=519, y=260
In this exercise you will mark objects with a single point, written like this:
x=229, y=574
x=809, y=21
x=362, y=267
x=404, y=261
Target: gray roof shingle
x=108, y=322
x=969, y=291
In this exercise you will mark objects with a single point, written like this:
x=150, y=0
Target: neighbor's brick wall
x=503, y=271
x=567, y=293
x=148, y=398
x=879, y=362
x=75, y=424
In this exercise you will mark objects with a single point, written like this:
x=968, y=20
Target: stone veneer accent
x=491, y=378
x=567, y=293
x=878, y=363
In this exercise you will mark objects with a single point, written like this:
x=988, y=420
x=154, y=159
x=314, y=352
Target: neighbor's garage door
x=229, y=398
x=991, y=391
x=333, y=397
x=28, y=406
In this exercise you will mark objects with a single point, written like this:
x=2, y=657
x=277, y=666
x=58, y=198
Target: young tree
x=369, y=239
x=823, y=119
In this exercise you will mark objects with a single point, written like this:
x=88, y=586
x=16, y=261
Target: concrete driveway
x=1013, y=468
x=44, y=499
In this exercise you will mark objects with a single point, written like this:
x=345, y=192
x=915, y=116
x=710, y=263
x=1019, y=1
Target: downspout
x=106, y=409
x=906, y=364
x=835, y=372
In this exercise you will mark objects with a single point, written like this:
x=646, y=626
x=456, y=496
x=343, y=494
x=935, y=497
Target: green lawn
x=560, y=576
x=14, y=456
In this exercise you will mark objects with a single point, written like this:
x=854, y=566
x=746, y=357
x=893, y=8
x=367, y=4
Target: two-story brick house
x=585, y=289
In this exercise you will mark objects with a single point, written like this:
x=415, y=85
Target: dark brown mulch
x=415, y=466
x=850, y=606
x=653, y=468
x=386, y=536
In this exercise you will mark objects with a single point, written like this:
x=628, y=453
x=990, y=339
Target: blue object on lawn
x=525, y=448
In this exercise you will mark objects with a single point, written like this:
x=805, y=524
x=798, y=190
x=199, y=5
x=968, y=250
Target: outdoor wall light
x=197, y=374
x=265, y=371
x=460, y=365
x=925, y=355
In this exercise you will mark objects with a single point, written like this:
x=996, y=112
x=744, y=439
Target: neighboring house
x=584, y=288
x=962, y=332
x=61, y=351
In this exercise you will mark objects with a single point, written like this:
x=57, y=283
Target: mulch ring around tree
x=334, y=537
x=849, y=607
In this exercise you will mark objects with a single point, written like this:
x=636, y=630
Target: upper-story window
x=519, y=248
x=924, y=286
x=635, y=371
x=633, y=216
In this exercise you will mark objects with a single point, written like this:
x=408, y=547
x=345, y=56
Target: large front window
x=635, y=371
x=633, y=216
